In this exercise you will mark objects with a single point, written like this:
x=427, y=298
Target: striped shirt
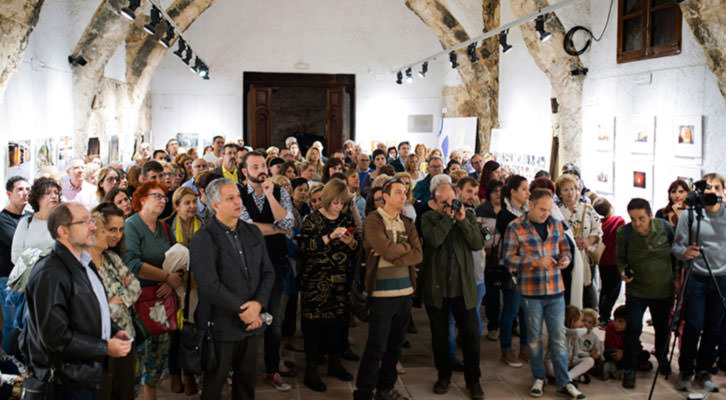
x=522, y=245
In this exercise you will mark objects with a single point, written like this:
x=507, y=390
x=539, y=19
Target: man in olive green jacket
x=448, y=284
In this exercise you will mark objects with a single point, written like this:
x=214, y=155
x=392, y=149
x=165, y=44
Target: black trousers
x=320, y=335
x=118, y=378
x=239, y=356
x=273, y=333
x=386, y=332
x=468, y=332
x=611, y=285
x=659, y=312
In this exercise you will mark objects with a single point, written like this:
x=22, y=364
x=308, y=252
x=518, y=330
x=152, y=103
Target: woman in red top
x=609, y=274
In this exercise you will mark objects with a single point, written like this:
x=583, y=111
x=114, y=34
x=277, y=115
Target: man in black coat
x=69, y=331
x=234, y=277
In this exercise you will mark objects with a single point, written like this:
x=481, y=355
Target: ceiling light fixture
x=129, y=12
x=503, y=42
x=155, y=16
x=182, y=47
x=539, y=26
x=424, y=69
x=188, y=56
x=77, y=60
x=409, y=75
x=169, y=36
x=399, y=78
x=471, y=51
x=452, y=58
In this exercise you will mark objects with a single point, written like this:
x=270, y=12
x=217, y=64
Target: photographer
x=447, y=284
x=703, y=309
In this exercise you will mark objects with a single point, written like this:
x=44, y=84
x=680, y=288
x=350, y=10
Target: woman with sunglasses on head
x=147, y=240
x=122, y=290
x=108, y=178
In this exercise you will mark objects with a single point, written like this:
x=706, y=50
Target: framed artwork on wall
x=690, y=174
x=641, y=180
x=639, y=133
x=604, y=134
x=603, y=175
x=687, y=136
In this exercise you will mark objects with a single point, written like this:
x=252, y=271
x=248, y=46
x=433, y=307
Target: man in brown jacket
x=393, y=250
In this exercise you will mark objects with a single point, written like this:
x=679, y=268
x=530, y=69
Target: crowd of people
x=104, y=267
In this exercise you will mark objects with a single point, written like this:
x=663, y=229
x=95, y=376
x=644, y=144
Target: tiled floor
x=498, y=380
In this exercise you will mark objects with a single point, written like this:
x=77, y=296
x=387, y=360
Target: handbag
x=158, y=314
x=594, y=252
x=196, y=346
x=34, y=388
x=141, y=332
x=360, y=305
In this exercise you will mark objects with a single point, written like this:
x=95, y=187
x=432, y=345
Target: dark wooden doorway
x=259, y=95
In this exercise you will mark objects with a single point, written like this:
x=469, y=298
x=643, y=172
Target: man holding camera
x=703, y=305
x=645, y=263
x=447, y=284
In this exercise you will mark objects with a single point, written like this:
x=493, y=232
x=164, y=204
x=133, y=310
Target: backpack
x=628, y=230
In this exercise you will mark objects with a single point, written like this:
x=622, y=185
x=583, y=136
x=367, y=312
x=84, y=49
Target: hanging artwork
x=187, y=139
x=639, y=133
x=114, y=156
x=603, y=175
x=45, y=153
x=642, y=180
x=687, y=136
x=604, y=134
x=690, y=174
x=18, y=161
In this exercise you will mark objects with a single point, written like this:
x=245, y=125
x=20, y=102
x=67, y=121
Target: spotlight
x=471, y=51
x=399, y=78
x=424, y=69
x=128, y=12
x=155, y=16
x=409, y=75
x=182, y=47
x=579, y=71
x=77, y=60
x=188, y=57
x=452, y=58
x=166, y=40
x=539, y=26
x=204, y=72
x=503, y=42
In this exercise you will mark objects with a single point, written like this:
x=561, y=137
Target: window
x=648, y=29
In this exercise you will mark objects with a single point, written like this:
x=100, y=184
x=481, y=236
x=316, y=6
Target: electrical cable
x=569, y=45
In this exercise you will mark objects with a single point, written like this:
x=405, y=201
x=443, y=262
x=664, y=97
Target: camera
x=699, y=198
x=456, y=205
x=629, y=273
x=486, y=234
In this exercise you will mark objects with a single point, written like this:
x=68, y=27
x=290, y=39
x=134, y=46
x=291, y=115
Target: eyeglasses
x=111, y=179
x=166, y=175
x=158, y=196
x=89, y=221
x=378, y=199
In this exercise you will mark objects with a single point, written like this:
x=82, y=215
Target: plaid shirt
x=522, y=245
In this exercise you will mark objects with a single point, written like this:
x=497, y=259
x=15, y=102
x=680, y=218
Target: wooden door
x=334, y=122
x=258, y=114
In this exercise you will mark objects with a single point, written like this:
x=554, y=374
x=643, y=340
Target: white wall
x=367, y=39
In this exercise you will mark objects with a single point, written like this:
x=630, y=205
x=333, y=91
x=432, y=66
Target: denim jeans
x=510, y=311
x=702, y=312
x=8, y=313
x=480, y=291
x=552, y=309
x=659, y=312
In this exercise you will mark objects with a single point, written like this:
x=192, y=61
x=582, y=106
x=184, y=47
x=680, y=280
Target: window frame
x=647, y=51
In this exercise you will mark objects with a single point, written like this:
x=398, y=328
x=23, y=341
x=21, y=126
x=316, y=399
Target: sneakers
x=703, y=378
x=684, y=382
x=537, y=389
x=510, y=359
x=629, y=379
x=493, y=335
x=390, y=394
x=570, y=391
x=277, y=382
x=441, y=386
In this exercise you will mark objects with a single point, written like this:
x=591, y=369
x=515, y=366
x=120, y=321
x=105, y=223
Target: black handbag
x=141, y=332
x=196, y=347
x=359, y=304
x=34, y=388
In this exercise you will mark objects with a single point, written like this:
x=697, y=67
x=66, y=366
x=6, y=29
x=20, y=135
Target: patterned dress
x=325, y=269
x=113, y=273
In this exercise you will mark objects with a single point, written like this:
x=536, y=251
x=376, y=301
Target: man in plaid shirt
x=536, y=249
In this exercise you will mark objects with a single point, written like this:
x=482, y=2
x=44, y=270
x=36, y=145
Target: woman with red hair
x=147, y=239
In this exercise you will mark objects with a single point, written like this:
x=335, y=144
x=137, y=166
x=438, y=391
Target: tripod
x=673, y=328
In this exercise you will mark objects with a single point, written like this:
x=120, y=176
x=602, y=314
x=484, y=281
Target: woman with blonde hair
x=313, y=156
x=108, y=178
x=413, y=167
x=408, y=209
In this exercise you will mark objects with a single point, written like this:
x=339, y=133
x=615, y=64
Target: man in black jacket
x=234, y=277
x=69, y=331
x=229, y=168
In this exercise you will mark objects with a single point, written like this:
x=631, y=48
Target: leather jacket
x=64, y=322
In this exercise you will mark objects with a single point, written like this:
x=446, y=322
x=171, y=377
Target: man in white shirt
x=74, y=189
x=215, y=157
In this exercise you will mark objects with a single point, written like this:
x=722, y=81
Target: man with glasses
x=477, y=162
x=422, y=191
x=198, y=166
x=215, y=157
x=172, y=149
x=75, y=189
x=70, y=332
x=229, y=169
x=393, y=250
x=364, y=162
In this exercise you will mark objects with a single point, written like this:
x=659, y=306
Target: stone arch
x=707, y=19
x=17, y=21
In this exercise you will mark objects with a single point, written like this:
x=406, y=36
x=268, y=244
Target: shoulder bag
x=594, y=252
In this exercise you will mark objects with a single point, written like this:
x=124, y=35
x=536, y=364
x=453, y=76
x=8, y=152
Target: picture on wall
x=187, y=139
x=94, y=146
x=639, y=179
x=18, y=161
x=642, y=180
x=690, y=174
x=687, y=136
x=114, y=156
x=639, y=132
x=45, y=153
x=604, y=133
x=603, y=178
x=65, y=152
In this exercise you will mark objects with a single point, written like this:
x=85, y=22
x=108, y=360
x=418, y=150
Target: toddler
x=615, y=343
x=579, y=359
x=590, y=342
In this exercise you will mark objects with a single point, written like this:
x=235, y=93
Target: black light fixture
x=503, y=42
x=200, y=68
x=77, y=60
x=539, y=26
x=155, y=16
x=182, y=47
x=129, y=12
x=409, y=75
x=399, y=78
x=166, y=40
x=424, y=69
x=471, y=51
x=188, y=57
x=452, y=58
